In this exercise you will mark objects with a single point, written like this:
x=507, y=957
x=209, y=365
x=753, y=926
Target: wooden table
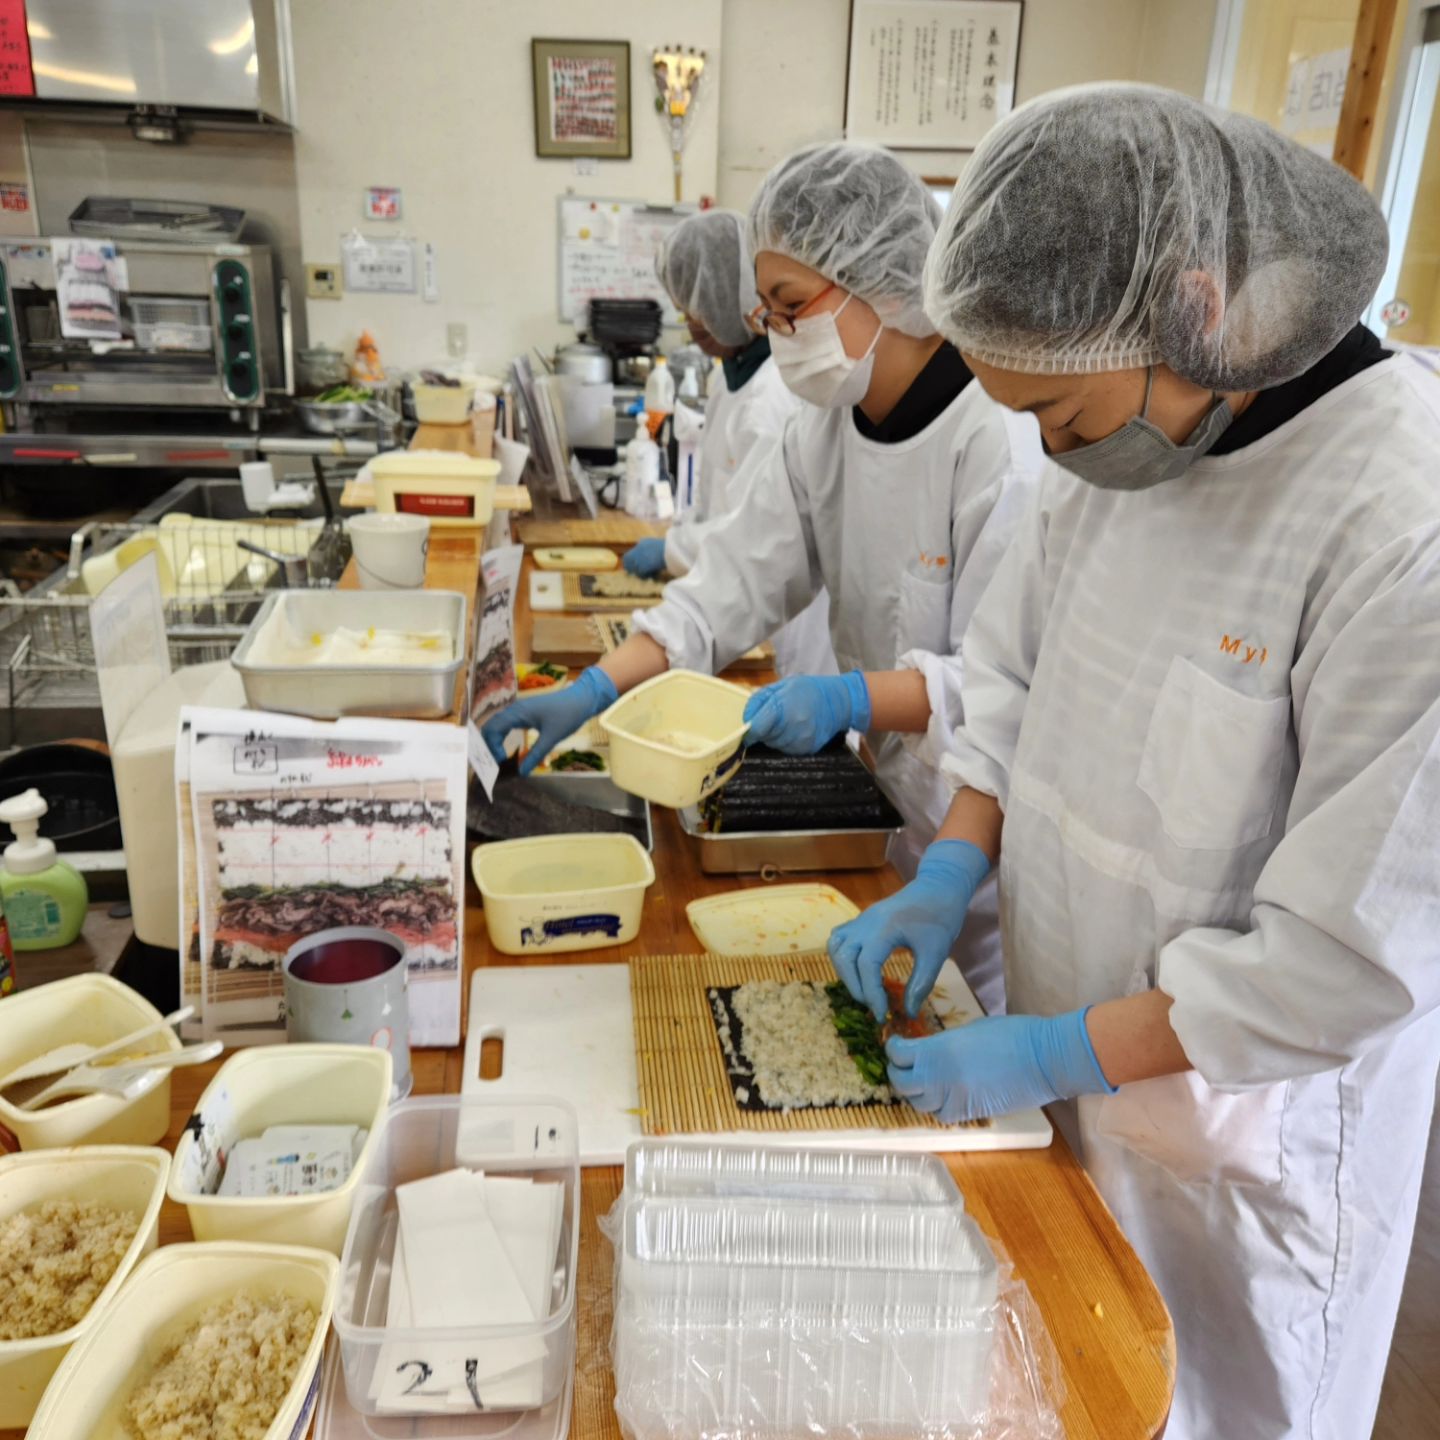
x=1108, y=1324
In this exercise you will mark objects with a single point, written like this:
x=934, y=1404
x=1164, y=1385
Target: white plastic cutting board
x=568, y=1031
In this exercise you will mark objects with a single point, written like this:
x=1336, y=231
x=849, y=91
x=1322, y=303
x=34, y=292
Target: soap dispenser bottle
x=44, y=898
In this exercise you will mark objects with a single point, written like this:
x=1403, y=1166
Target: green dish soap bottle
x=44, y=898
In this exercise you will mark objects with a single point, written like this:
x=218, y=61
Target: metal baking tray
x=754, y=852
x=411, y=692
x=117, y=217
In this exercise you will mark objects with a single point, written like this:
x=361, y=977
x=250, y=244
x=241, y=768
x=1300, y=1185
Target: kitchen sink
x=225, y=500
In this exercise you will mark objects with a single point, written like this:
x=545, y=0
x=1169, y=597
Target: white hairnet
x=704, y=265
x=1112, y=226
x=859, y=217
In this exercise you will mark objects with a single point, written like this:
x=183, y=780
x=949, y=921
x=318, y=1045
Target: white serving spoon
x=129, y=1080
x=67, y=1057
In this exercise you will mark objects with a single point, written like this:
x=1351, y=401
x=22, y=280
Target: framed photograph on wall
x=582, y=98
x=930, y=74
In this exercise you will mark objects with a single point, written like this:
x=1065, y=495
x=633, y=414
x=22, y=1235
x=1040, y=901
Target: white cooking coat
x=736, y=424
x=905, y=538
x=1210, y=710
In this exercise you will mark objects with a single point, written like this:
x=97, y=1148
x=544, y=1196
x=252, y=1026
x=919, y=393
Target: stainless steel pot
x=589, y=364
x=331, y=419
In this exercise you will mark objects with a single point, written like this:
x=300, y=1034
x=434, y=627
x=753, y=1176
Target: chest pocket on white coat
x=1212, y=760
x=922, y=619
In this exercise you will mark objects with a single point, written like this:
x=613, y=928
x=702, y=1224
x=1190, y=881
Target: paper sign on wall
x=382, y=202
x=14, y=197
x=16, y=77
x=378, y=265
x=930, y=74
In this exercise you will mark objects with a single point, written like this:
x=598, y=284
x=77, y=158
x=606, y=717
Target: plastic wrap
x=762, y=1291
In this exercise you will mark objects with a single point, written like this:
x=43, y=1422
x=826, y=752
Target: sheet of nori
x=738, y=1070
x=830, y=790
x=520, y=810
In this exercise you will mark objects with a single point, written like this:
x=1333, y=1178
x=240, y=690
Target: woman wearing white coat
x=1202, y=701
x=897, y=489
x=705, y=267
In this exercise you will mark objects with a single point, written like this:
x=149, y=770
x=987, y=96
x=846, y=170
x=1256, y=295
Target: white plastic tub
x=279, y=1085
x=454, y=490
x=676, y=738
x=442, y=404
x=89, y=1010
x=555, y=893
x=124, y=1177
x=163, y=1299
x=535, y=1139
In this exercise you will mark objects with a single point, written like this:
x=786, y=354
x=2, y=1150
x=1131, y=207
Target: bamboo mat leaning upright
x=684, y=1086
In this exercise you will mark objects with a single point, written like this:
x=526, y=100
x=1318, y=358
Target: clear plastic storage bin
x=798, y=1301
x=535, y=1139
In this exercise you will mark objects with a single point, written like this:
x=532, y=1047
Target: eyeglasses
x=777, y=322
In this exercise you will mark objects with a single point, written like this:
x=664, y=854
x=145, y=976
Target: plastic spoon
x=66, y=1057
x=129, y=1081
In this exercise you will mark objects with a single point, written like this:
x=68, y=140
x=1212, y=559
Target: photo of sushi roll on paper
x=301, y=826
x=88, y=281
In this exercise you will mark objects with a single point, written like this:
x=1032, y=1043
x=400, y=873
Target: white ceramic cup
x=257, y=482
x=390, y=550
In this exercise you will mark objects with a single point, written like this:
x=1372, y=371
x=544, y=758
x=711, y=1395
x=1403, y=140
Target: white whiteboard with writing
x=607, y=248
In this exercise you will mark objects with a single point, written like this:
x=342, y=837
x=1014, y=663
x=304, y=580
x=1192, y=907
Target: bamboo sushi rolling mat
x=576, y=599
x=684, y=1087
x=607, y=530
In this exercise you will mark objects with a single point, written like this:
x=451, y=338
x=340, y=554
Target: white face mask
x=813, y=362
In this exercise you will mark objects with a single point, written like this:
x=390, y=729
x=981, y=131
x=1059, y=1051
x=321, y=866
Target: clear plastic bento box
x=827, y=1294
x=430, y=1371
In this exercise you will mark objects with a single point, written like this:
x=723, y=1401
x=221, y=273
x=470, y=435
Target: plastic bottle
x=642, y=470
x=7, y=959
x=690, y=386
x=44, y=897
x=659, y=395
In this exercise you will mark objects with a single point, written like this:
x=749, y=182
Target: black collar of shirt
x=945, y=375
x=740, y=369
x=1358, y=350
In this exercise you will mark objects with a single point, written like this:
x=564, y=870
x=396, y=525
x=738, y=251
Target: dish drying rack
x=46, y=647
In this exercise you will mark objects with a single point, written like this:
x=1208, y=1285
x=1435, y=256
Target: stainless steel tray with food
x=758, y=851
x=330, y=653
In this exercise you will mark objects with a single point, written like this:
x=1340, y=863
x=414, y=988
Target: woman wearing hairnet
x=1203, y=693
x=897, y=488
x=706, y=270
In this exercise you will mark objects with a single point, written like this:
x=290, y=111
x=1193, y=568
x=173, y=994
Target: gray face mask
x=1139, y=454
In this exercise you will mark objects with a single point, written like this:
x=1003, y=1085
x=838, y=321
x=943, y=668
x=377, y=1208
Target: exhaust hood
x=204, y=61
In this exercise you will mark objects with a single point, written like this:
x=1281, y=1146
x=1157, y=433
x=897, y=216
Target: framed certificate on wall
x=930, y=74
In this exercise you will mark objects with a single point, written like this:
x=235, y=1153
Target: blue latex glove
x=925, y=917
x=996, y=1065
x=804, y=713
x=646, y=558
x=554, y=713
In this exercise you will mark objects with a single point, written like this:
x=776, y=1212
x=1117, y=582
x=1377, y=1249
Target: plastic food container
x=279, y=1085
x=676, y=738
x=442, y=404
x=328, y=692
x=532, y=1138
x=124, y=1177
x=454, y=490
x=822, y=1267
x=165, y=1296
x=87, y=1010
x=678, y=1168
x=769, y=919
x=555, y=893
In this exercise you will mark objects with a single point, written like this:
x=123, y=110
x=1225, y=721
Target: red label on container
x=454, y=507
x=16, y=77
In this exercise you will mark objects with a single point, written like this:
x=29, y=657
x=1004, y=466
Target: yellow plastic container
x=89, y=1010
x=676, y=738
x=164, y=1297
x=453, y=490
x=124, y=1177
x=556, y=893
x=442, y=404
x=279, y=1085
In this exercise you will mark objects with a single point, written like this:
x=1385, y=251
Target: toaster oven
x=145, y=325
